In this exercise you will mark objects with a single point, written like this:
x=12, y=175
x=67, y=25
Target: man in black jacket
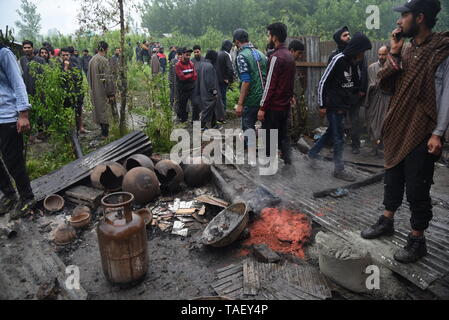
x=25, y=61
x=342, y=37
x=225, y=71
x=337, y=95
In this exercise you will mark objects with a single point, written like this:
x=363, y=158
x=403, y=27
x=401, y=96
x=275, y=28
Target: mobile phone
x=398, y=36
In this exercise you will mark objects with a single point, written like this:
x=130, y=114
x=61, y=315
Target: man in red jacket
x=186, y=75
x=278, y=93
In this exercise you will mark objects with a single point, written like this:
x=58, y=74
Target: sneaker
x=383, y=227
x=7, y=204
x=217, y=127
x=414, y=250
x=343, y=175
x=221, y=122
x=22, y=208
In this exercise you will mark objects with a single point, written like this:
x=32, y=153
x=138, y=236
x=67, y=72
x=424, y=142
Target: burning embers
x=282, y=230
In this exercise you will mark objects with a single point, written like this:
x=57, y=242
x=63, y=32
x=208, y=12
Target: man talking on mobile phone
x=416, y=120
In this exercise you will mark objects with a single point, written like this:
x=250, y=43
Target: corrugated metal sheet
x=366, y=206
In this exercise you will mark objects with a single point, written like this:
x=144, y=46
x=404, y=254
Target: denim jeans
x=335, y=132
x=223, y=91
x=249, y=119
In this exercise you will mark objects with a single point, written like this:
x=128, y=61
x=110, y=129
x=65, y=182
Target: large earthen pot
x=170, y=175
x=197, y=171
x=142, y=183
x=108, y=176
x=139, y=160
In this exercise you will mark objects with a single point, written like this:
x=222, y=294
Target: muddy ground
x=179, y=267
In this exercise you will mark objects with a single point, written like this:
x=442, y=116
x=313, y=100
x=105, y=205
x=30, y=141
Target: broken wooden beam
x=352, y=186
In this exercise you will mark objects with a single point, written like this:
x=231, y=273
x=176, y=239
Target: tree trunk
x=123, y=80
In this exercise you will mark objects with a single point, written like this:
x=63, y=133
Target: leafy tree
x=30, y=24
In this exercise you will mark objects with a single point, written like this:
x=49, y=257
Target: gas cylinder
x=122, y=240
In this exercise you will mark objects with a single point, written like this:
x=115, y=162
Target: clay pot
x=170, y=175
x=155, y=157
x=139, y=160
x=80, y=217
x=64, y=234
x=146, y=215
x=54, y=203
x=108, y=176
x=142, y=183
x=196, y=175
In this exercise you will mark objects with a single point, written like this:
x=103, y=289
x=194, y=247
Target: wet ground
x=179, y=267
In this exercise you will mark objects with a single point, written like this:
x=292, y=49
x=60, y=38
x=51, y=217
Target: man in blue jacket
x=14, y=122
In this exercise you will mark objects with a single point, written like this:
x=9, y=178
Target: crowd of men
x=405, y=93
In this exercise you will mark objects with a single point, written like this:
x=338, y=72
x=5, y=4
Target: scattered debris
x=178, y=229
x=164, y=225
x=202, y=211
x=9, y=231
x=199, y=218
x=186, y=211
x=340, y=193
x=212, y=201
x=265, y=254
x=49, y=291
x=84, y=195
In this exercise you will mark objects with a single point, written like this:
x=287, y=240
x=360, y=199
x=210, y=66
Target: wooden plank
x=251, y=283
x=226, y=268
x=230, y=272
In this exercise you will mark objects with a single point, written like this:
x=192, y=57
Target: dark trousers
x=415, y=175
x=224, y=92
x=334, y=132
x=196, y=107
x=11, y=145
x=356, y=126
x=184, y=96
x=104, y=129
x=278, y=120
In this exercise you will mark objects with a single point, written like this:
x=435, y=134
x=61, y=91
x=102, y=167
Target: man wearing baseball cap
x=416, y=120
